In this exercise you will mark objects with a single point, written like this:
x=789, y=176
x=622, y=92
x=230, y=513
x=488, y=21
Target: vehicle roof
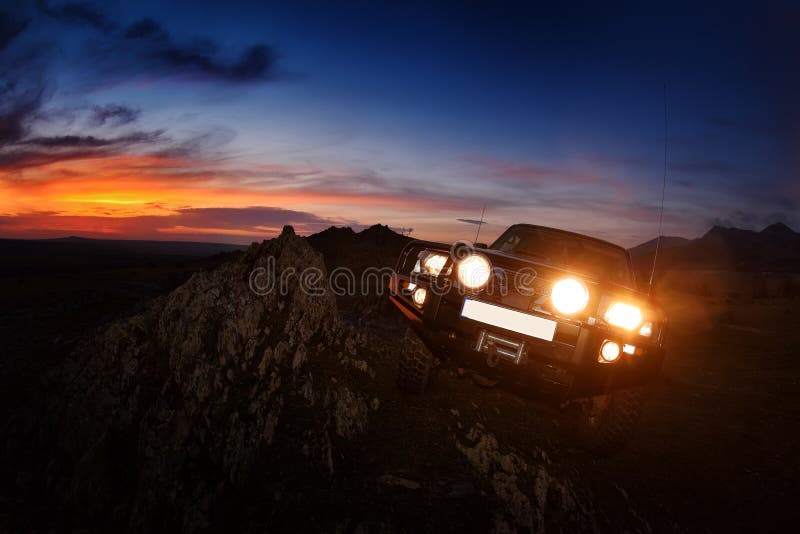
x=576, y=234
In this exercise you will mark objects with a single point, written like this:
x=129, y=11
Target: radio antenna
x=480, y=223
x=663, y=193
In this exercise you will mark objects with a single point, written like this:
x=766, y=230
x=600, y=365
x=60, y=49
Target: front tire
x=415, y=365
x=606, y=423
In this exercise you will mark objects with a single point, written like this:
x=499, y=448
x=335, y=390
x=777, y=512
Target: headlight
x=646, y=330
x=434, y=263
x=569, y=296
x=419, y=295
x=626, y=316
x=430, y=263
x=609, y=352
x=474, y=271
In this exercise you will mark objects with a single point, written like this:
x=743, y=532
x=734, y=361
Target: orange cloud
x=122, y=186
x=153, y=196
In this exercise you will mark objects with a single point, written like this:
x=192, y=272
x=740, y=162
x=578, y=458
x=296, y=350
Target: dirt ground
x=717, y=449
x=718, y=445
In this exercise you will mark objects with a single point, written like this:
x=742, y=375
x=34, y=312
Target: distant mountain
x=71, y=254
x=775, y=248
x=779, y=231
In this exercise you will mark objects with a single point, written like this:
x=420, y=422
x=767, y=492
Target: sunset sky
x=223, y=121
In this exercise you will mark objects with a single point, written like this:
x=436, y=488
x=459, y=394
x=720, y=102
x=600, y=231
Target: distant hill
x=376, y=246
x=69, y=254
x=776, y=248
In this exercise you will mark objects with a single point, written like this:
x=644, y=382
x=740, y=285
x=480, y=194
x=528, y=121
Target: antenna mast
x=663, y=193
x=480, y=223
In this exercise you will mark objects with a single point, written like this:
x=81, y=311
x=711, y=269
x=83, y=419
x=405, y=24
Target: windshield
x=564, y=249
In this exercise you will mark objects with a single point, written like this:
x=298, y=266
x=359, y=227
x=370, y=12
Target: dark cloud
x=254, y=63
x=10, y=27
x=153, y=47
x=23, y=91
x=26, y=158
x=113, y=114
x=78, y=13
x=22, y=101
x=38, y=151
x=144, y=28
x=251, y=217
x=16, y=111
x=472, y=221
x=145, y=47
x=116, y=53
x=73, y=141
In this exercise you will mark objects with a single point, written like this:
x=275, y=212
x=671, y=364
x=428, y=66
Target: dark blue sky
x=246, y=115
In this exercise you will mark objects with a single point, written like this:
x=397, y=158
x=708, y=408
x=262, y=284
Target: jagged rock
x=170, y=408
x=529, y=493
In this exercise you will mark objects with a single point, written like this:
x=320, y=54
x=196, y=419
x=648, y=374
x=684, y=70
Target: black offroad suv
x=544, y=311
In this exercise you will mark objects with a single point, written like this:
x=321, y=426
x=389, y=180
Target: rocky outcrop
x=164, y=413
x=224, y=407
x=535, y=500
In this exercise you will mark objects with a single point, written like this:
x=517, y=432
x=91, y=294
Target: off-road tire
x=606, y=423
x=415, y=365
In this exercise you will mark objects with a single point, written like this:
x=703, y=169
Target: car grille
x=517, y=289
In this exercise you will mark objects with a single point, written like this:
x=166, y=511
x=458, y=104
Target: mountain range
x=776, y=248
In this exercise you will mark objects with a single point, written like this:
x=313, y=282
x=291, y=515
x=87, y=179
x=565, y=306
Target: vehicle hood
x=549, y=271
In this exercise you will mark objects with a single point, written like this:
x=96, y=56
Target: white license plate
x=513, y=320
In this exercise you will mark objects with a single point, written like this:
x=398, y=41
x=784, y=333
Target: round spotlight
x=569, y=296
x=609, y=352
x=646, y=329
x=624, y=315
x=419, y=295
x=434, y=263
x=474, y=271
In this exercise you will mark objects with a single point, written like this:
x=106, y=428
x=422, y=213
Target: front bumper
x=543, y=353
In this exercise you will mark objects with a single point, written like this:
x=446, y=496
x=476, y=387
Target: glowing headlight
x=609, y=352
x=624, y=315
x=434, y=263
x=646, y=329
x=569, y=296
x=419, y=295
x=474, y=271
x=430, y=263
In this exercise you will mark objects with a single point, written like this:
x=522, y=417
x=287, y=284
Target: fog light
x=629, y=349
x=646, y=330
x=609, y=352
x=419, y=295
